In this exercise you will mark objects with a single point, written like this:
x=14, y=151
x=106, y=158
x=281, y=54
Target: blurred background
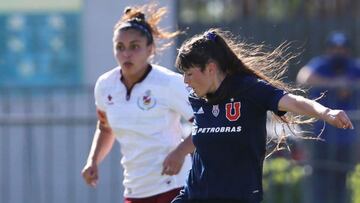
x=51, y=53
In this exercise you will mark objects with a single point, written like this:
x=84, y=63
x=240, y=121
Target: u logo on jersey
x=233, y=111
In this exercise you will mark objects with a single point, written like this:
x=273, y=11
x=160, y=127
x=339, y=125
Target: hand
x=339, y=119
x=90, y=174
x=173, y=162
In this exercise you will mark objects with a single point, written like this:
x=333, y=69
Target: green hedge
x=283, y=181
x=354, y=184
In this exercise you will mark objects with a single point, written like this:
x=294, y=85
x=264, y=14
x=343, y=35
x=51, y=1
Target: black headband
x=139, y=26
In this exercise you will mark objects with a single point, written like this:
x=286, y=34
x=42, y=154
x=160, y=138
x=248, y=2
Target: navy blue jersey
x=229, y=133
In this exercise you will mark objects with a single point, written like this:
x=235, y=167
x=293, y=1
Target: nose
x=126, y=53
x=186, y=79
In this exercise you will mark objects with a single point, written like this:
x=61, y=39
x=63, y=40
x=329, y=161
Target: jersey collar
x=148, y=70
x=128, y=90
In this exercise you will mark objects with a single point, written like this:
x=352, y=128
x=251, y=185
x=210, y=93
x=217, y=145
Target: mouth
x=127, y=64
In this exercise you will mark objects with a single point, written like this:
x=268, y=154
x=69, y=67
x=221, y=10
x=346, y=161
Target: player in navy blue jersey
x=234, y=85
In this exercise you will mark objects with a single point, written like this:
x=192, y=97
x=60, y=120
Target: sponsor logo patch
x=222, y=129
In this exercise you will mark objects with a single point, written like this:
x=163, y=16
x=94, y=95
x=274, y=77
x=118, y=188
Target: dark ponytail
x=146, y=19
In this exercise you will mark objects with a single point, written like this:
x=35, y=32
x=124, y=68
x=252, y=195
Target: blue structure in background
x=40, y=49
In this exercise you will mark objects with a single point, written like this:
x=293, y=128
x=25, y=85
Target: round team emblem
x=147, y=101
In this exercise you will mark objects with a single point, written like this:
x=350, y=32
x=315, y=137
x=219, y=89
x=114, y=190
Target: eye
x=134, y=46
x=120, y=47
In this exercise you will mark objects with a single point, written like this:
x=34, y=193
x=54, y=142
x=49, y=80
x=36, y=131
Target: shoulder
x=109, y=75
x=254, y=86
x=108, y=78
x=160, y=70
x=250, y=80
x=244, y=82
x=258, y=84
x=166, y=76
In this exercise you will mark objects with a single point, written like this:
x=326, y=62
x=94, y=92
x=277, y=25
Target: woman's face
x=131, y=51
x=199, y=81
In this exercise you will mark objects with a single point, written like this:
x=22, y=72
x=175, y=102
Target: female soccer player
x=140, y=104
x=234, y=85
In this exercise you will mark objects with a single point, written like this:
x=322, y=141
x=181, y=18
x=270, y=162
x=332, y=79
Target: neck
x=130, y=79
x=218, y=79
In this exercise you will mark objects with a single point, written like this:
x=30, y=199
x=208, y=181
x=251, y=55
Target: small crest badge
x=147, y=101
x=215, y=110
x=110, y=100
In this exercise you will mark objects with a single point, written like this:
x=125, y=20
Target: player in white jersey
x=141, y=104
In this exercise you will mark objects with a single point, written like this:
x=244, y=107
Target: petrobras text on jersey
x=223, y=129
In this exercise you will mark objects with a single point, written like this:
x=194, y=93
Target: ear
x=212, y=67
x=150, y=50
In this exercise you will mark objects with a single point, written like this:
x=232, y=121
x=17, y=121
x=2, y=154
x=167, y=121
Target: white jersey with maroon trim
x=146, y=122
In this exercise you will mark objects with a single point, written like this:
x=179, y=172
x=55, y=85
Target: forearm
x=303, y=106
x=101, y=145
x=175, y=159
x=186, y=146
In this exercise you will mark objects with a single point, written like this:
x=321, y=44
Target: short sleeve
x=178, y=97
x=268, y=96
x=98, y=94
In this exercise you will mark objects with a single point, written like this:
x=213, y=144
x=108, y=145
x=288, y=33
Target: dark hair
x=201, y=49
x=138, y=22
x=233, y=56
x=145, y=19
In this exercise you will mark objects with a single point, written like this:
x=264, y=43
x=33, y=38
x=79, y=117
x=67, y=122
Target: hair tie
x=211, y=36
